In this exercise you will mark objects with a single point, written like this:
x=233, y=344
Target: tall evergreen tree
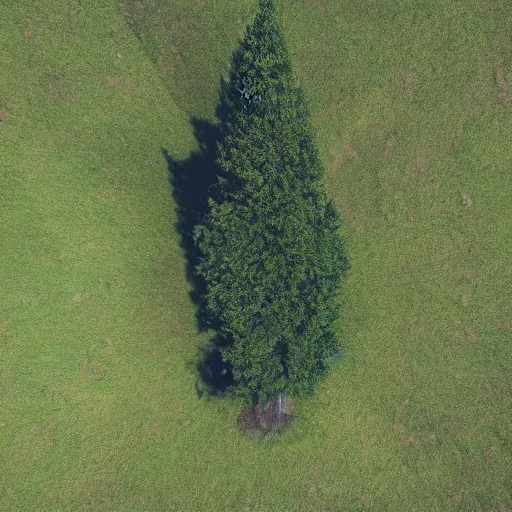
x=272, y=258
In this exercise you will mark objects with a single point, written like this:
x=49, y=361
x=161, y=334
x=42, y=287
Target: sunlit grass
x=98, y=408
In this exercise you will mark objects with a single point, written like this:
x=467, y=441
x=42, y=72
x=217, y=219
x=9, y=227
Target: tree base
x=273, y=417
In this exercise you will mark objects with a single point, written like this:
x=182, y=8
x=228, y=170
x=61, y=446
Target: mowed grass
x=412, y=105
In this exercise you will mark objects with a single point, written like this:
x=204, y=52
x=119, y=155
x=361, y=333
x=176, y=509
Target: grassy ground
x=98, y=411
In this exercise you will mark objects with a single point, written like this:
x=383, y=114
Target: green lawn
x=412, y=106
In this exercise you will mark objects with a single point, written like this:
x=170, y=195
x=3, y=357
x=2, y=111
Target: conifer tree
x=271, y=255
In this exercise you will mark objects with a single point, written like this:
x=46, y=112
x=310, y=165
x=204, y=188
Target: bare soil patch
x=274, y=416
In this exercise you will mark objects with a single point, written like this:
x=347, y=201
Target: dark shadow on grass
x=192, y=183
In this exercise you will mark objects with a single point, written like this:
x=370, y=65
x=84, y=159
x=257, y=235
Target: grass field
x=412, y=106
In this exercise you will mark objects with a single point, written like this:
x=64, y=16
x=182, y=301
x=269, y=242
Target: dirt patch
x=274, y=416
x=90, y=372
x=418, y=165
x=465, y=301
x=404, y=82
x=504, y=83
x=114, y=81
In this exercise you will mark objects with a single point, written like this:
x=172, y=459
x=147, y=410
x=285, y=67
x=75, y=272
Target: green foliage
x=272, y=257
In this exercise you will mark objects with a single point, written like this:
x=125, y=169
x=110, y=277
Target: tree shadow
x=192, y=182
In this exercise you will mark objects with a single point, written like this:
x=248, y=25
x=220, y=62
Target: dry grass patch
x=451, y=144
x=5, y=324
x=404, y=82
x=3, y=113
x=505, y=87
x=114, y=81
x=47, y=435
x=317, y=6
x=466, y=200
x=390, y=145
x=506, y=327
x=337, y=161
x=419, y=164
x=350, y=152
x=61, y=90
x=91, y=372
x=467, y=335
x=464, y=273
x=79, y=297
x=348, y=213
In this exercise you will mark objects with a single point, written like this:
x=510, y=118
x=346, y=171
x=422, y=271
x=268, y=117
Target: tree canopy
x=271, y=254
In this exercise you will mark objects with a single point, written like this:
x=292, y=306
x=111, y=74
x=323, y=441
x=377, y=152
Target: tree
x=271, y=255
